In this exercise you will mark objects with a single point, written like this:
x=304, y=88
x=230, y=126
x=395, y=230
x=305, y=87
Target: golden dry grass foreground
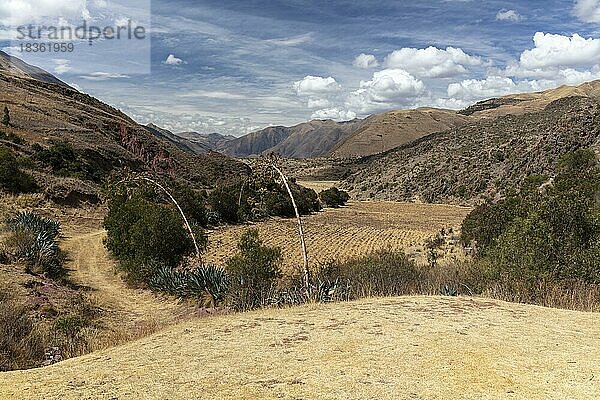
x=344, y=233
x=393, y=348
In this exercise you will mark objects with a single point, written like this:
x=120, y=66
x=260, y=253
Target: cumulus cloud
x=508, y=15
x=386, y=89
x=172, y=60
x=587, y=10
x=21, y=12
x=316, y=85
x=560, y=51
x=492, y=86
x=432, y=62
x=365, y=61
x=318, y=103
x=334, y=113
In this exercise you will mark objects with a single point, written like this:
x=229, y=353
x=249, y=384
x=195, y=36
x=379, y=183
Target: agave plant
x=35, y=238
x=26, y=220
x=206, y=281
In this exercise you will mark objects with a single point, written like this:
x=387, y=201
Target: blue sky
x=236, y=66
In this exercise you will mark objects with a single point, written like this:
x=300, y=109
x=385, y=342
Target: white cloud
x=432, y=62
x=560, y=51
x=21, y=12
x=318, y=103
x=292, y=41
x=492, y=86
x=61, y=66
x=387, y=89
x=172, y=60
x=316, y=85
x=587, y=10
x=334, y=113
x=365, y=61
x=508, y=15
x=103, y=76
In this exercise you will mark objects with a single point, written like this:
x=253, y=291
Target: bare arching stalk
x=185, y=220
x=300, y=228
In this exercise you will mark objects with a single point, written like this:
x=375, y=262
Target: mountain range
x=364, y=137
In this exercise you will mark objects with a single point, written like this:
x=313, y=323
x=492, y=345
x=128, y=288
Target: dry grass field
x=394, y=348
x=359, y=229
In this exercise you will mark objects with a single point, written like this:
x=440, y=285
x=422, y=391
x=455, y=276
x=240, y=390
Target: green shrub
x=144, y=234
x=544, y=231
x=6, y=117
x=11, y=137
x=253, y=272
x=260, y=197
x=193, y=205
x=12, y=179
x=64, y=161
x=334, y=197
x=224, y=202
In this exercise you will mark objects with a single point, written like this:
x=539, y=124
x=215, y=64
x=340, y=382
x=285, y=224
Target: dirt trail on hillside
x=126, y=312
x=394, y=348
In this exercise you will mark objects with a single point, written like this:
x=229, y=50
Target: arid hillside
x=45, y=111
x=484, y=158
x=309, y=139
x=393, y=348
x=386, y=131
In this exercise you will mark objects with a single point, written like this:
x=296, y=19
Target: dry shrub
x=394, y=274
x=21, y=343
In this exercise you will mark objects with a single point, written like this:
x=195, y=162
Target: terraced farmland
x=359, y=229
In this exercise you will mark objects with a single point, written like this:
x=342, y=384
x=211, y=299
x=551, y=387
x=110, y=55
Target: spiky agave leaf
x=27, y=220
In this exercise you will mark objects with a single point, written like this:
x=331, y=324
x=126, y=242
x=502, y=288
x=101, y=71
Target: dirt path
x=395, y=348
x=126, y=312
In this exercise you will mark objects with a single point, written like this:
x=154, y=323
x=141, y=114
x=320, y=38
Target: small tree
x=6, y=117
x=253, y=271
x=144, y=234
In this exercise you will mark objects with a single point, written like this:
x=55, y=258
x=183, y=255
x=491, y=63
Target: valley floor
x=394, y=348
x=353, y=231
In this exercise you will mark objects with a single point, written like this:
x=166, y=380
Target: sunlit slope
x=396, y=348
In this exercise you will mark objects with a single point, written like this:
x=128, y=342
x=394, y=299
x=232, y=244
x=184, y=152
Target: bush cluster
x=12, y=178
x=259, y=197
x=547, y=229
x=64, y=161
x=334, y=197
x=253, y=272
